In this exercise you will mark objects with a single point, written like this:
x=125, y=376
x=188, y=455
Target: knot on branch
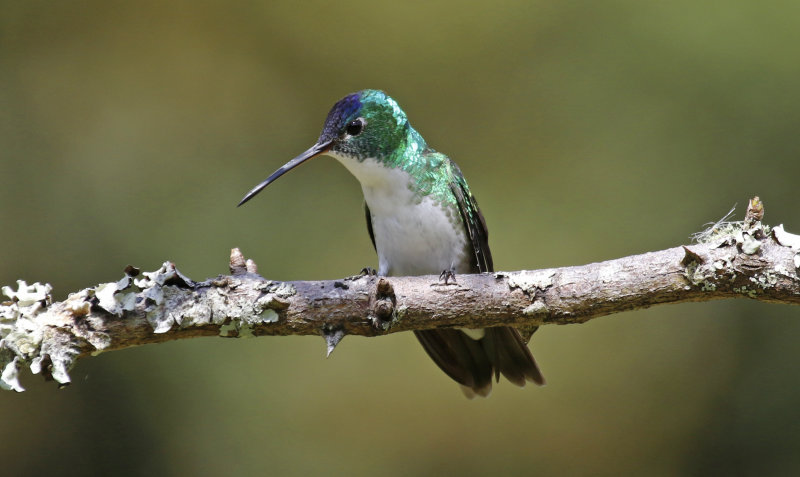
x=382, y=307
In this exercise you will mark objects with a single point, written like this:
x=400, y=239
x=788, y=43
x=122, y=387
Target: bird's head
x=366, y=124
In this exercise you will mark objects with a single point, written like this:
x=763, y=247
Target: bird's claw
x=368, y=272
x=365, y=272
x=447, y=275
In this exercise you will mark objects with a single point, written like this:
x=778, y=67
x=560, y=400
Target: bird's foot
x=365, y=272
x=447, y=275
x=368, y=272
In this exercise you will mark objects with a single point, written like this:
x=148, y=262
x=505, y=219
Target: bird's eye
x=355, y=127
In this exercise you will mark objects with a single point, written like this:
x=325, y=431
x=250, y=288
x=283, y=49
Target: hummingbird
x=422, y=219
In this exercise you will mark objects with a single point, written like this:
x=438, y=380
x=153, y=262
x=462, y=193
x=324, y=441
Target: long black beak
x=315, y=150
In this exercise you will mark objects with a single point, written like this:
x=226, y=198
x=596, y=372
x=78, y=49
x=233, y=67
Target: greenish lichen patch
x=690, y=269
x=707, y=286
x=246, y=315
x=748, y=292
x=703, y=275
x=269, y=316
x=245, y=331
x=283, y=290
x=535, y=308
x=765, y=280
x=236, y=328
x=228, y=330
x=192, y=312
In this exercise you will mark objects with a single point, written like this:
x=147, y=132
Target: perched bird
x=423, y=220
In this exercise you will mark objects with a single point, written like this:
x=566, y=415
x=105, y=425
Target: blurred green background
x=587, y=130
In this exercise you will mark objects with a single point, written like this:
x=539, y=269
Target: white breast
x=413, y=235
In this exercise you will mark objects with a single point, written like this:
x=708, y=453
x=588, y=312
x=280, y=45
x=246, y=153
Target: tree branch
x=732, y=259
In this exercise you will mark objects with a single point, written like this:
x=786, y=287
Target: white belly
x=413, y=235
x=415, y=239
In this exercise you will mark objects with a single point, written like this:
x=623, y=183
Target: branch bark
x=733, y=259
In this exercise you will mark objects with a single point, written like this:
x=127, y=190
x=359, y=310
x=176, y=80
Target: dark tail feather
x=460, y=357
x=511, y=356
x=472, y=363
